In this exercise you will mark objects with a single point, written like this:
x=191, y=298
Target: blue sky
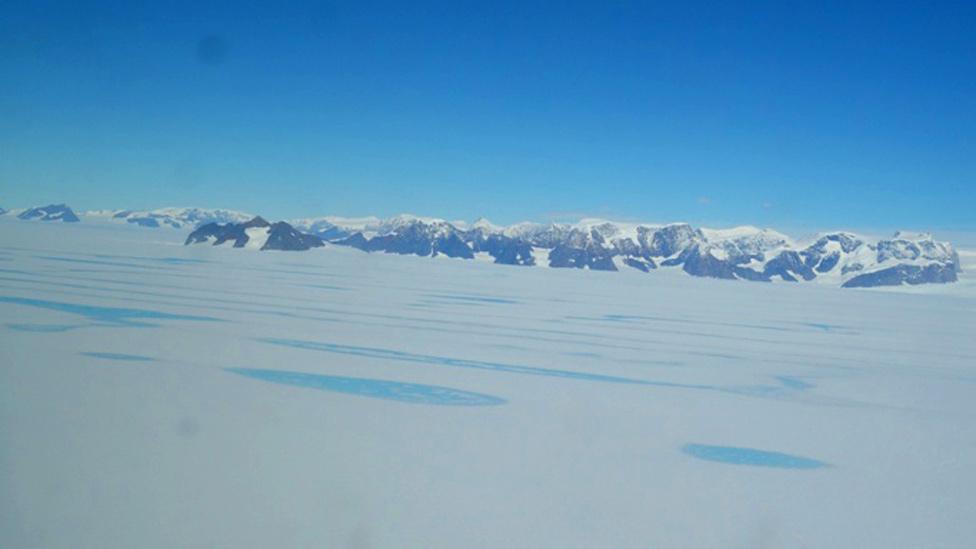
x=805, y=114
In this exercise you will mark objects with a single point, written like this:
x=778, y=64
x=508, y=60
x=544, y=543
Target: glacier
x=162, y=395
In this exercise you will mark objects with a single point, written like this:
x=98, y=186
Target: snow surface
x=256, y=237
x=156, y=395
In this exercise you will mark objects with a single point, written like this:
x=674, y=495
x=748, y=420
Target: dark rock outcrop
x=643, y=265
x=280, y=235
x=150, y=222
x=224, y=232
x=672, y=239
x=592, y=257
x=505, y=250
x=701, y=263
x=284, y=237
x=357, y=241
x=788, y=265
x=904, y=274
x=52, y=212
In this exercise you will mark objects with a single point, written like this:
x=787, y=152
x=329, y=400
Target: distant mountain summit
x=907, y=258
x=256, y=233
x=179, y=218
x=51, y=212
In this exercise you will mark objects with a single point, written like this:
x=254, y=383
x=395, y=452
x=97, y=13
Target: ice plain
x=156, y=395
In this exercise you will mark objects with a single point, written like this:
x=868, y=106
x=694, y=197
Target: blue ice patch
x=119, y=356
x=389, y=354
x=108, y=315
x=749, y=456
x=42, y=328
x=167, y=260
x=829, y=328
x=794, y=383
x=411, y=393
x=475, y=298
x=92, y=261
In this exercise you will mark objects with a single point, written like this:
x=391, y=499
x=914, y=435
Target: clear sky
x=803, y=114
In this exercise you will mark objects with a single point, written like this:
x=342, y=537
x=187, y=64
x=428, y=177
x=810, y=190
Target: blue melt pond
x=375, y=388
x=750, y=456
x=120, y=356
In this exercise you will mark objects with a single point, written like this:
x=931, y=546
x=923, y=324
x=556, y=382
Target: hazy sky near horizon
x=804, y=114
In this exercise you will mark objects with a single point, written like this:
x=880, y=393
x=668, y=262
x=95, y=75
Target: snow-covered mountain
x=51, y=212
x=334, y=227
x=256, y=233
x=746, y=253
x=740, y=253
x=177, y=218
x=325, y=228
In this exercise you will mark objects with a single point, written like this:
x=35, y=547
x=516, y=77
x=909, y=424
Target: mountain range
x=256, y=233
x=742, y=253
x=51, y=212
x=179, y=218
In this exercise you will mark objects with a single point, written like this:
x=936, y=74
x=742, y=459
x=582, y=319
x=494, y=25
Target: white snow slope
x=156, y=395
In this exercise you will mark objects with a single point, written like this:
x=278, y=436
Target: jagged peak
x=50, y=212
x=175, y=216
x=407, y=218
x=912, y=236
x=351, y=223
x=484, y=224
x=257, y=221
x=735, y=232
